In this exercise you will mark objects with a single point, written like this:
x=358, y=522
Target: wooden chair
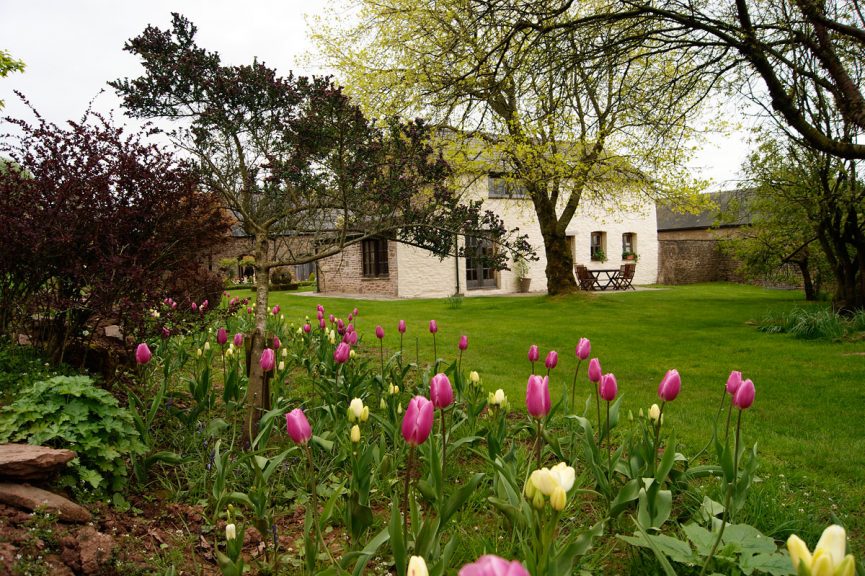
x=625, y=277
x=586, y=279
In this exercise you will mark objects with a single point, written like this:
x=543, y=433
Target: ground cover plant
x=417, y=436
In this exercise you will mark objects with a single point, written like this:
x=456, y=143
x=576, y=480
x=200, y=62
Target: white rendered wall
x=423, y=275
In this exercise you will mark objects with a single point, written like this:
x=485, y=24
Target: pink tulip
x=143, y=354
x=350, y=317
x=238, y=340
x=275, y=310
x=533, y=353
x=342, y=353
x=221, y=336
x=584, y=348
x=418, y=420
x=595, y=370
x=744, y=396
x=464, y=342
x=552, y=360
x=320, y=308
x=538, y=396
x=490, y=565
x=733, y=382
x=433, y=327
x=440, y=391
x=340, y=326
x=319, y=314
x=165, y=332
x=322, y=324
x=307, y=328
x=297, y=426
x=608, y=388
x=249, y=309
x=332, y=318
x=194, y=307
x=349, y=328
x=354, y=312
x=203, y=306
x=670, y=385
x=351, y=338
x=379, y=332
x=276, y=343
x=267, y=360
x=401, y=327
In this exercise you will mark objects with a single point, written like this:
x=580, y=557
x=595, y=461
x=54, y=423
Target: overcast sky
x=73, y=47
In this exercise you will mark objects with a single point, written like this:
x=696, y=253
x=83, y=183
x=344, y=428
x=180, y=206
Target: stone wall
x=343, y=273
x=692, y=256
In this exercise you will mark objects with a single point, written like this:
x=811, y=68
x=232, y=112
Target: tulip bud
x=558, y=499
x=229, y=352
x=238, y=340
x=275, y=310
x=267, y=360
x=401, y=327
x=654, y=413
x=221, y=336
x=533, y=353
x=630, y=416
x=584, y=348
x=297, y=426
x=670, y=385
x=595, y=370
x=355, y=409
x=352, y=354
x=499, y=397
x=143, y=354
x=307, y=328
x=608, y=388
x=529, y=489
x=230, y=532
x=198, y=352
x=733, y=382
x=354, y=312
x=538, y=501
x=281, y=366
x=284, y=353
x=417, y=567
x=399, y=408
x=207, y=346
x=433, y=327
x=379, y=332
x=341, y=353
x=355, y=434
x=382, y=404
x=474, y=377
x=552, y=360
x=364, y=416
x=538, y=396
x=441, y=393
x=744, y=396
x=464, y=342
x=276, y=343
x=418, y=420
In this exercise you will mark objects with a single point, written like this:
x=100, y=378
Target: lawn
x=810, y=404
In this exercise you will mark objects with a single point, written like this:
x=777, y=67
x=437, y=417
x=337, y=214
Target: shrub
x=807, y=324
x=71, y=412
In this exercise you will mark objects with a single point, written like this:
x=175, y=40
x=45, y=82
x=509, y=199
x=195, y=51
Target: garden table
x=606, y=278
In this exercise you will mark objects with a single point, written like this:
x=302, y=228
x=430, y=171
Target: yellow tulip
x=417, y=567
x=829, y=555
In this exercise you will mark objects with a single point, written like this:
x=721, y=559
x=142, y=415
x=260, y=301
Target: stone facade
x=343, y=273
x=693, y=256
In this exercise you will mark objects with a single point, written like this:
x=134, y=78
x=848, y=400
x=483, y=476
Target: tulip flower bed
x=391, y=444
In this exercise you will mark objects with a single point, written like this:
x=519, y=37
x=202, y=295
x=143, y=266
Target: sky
x=73, y=47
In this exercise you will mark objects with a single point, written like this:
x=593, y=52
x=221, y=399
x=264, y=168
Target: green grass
x=810, y=404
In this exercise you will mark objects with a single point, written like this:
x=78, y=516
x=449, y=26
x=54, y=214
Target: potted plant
x=521, y=269
x=630, y=256
x=599, y=255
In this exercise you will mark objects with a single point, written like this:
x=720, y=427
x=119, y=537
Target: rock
x=95, y=549
x=28, y=462
x=113, y=331
x=31, y=498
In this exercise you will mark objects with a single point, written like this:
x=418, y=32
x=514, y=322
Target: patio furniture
x=586, y=279
x=605, y=279
x=625, y=277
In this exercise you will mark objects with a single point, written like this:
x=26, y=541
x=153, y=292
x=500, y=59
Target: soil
x=149, y=538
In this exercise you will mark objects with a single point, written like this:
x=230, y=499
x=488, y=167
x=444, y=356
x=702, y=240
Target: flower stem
x=574, y=386
x=730, y=489
x=656, y=444
x=538, y=445
x=405, y=494
x=609, y=449
x=444, y=455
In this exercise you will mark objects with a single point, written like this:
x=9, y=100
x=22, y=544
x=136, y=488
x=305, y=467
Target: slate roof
x=732, y=203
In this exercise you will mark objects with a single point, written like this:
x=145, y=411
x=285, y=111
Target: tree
x=8, y=64
x=812, y=201
x=792, y=49
x=595, y=128
x=98, y=227
x=299, y=164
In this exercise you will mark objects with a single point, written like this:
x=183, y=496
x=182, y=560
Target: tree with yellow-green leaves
x=607, y=126
x=8, y=64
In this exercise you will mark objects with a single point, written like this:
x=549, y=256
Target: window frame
x=374, y=258
x=501, y=185
x=600, y=246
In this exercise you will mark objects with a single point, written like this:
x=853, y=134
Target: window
x=629, y=245
x=479, y=273
x=374, y=256
x=599, y=246
x=502, y=185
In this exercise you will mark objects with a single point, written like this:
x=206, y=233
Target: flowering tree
x=305, y=172
x=98, y=226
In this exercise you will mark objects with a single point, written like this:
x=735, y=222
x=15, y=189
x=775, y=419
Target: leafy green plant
x=72, y=412
x=809, y=324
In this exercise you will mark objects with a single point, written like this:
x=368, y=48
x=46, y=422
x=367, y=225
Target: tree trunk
x=257, y=393
x=560, y=261
x=807, y=282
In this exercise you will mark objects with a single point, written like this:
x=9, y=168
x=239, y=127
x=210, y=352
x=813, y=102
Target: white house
x=384, y=267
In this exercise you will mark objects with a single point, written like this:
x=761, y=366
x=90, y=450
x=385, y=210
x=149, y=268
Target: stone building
x=689, y=244
x=600, y=235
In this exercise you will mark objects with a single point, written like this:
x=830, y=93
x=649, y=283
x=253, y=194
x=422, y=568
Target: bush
x=810, y=324
x=71, y=412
